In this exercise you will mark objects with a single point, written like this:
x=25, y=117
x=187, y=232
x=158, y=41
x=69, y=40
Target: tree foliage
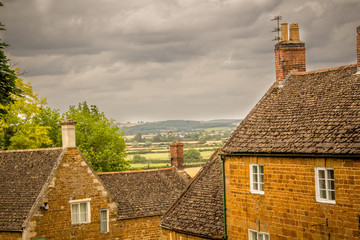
x=98, y=138
x=7, y=77
x=18, y=127
x=138, y=137
x=192, y=155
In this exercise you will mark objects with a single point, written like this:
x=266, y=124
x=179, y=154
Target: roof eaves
x=294, y=155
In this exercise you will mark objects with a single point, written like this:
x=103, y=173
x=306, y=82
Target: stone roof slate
x=23, y=174
x=313, y=113
x=144, y=193
x=199, y=210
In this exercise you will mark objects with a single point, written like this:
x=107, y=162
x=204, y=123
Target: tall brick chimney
x=177, y=155
x=358, y=48
x=289, y=52
x=68, y=133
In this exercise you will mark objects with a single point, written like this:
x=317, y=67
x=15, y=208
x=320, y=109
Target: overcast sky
x=155, y=60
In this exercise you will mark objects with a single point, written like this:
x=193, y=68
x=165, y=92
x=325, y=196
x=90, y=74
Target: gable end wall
x=73, y=180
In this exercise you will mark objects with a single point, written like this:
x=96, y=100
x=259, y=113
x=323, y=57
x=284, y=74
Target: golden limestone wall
x=10, y=236
x=146, y=228
x=73, y=180
x=171, y=235
x=288, y=209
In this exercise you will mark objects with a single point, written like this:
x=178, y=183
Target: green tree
x=138, y=137
x=156, y=138
x=98, y=138
x=48, y=117
x=30, y=137
x=192, y=155
x=7, y=77
x=17, y=126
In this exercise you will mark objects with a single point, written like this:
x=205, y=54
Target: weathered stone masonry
x=73, y=180
x=288, y=209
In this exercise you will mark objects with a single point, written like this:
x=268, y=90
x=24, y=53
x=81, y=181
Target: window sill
x=80, y=223
x=326, y=201
x=257, y=192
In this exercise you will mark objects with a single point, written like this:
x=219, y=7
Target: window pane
x=74, y=213
x=331, y=195
x=261, y=169
x=261, y=178
x=331, y=184
x=253, y=235
x=261, y=187
x=255, y=186
x=267, y=237
x=255, y=179
x=330, y=173
x=322, y=184
x=260, y=236
x=254, y=169
x=103, y=220
x=321, y=174
x=83, y=212
x=323, y=194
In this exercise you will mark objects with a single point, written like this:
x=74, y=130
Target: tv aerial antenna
x=277, y=29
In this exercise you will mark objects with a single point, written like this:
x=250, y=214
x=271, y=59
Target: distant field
x=159, y=165
x=207, y=154
x=166, y=156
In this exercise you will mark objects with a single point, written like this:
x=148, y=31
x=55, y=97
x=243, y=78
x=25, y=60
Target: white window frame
x=107, y=220
x=327, y=185
x=258, y=234
x=88, y=210
x=258, y=176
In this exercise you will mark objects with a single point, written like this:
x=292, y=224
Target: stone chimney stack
x=68, y=133
x=289, y=52
x=358, y=48
x=177, y=155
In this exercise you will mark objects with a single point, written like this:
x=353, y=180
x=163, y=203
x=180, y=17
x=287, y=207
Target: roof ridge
x=137, y=171
x=31, y=150
x=324, y=70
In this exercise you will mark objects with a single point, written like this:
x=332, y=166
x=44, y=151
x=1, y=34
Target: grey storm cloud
x=167, y=59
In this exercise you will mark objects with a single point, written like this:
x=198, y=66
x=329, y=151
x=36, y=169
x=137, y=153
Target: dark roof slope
x=313, y=113
x=199, y=210
x=23, y=174
x=144, y=193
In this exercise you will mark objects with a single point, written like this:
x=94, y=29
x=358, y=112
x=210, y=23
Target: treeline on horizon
x=179, y=126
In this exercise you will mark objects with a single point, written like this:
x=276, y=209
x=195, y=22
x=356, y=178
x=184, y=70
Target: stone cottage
x=292, y=167
x=291, y=170
x=55, y=194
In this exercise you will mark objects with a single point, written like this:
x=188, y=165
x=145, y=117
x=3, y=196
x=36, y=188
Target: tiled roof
x=144, y=193
x=23, y=174
x=199, y=210
x=313, y=113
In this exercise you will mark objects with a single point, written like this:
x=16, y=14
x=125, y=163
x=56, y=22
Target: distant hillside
x=177, y=126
